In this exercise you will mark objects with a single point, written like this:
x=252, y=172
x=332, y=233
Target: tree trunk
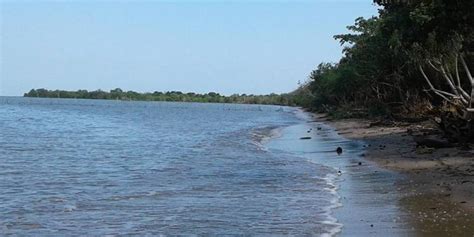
x=458, y=122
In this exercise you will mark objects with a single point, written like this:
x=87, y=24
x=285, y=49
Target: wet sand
x=434, y=188
x=367, y=203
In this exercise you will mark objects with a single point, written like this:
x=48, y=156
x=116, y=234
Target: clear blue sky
x=228, y=46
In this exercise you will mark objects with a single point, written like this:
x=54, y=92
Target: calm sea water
x=90, y=167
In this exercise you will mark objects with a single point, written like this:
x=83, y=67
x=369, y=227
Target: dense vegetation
x=119, y=94
x=413, y=59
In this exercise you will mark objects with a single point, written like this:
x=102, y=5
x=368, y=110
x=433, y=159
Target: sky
x=227, y=46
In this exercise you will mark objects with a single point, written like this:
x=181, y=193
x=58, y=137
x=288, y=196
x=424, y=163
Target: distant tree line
x=177, y=96
x=415, y=59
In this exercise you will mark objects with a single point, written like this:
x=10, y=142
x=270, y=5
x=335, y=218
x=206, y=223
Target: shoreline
x=437, y=188
x=363, y=205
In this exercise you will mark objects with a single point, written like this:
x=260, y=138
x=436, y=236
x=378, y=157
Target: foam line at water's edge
x=332, y=180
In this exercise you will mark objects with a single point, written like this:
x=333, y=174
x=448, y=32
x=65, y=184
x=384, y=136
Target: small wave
x=332, y=180
x=261, y=136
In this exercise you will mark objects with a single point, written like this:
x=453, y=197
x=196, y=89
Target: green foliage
x=382, y=55
x=379, y=69
x=178, y=96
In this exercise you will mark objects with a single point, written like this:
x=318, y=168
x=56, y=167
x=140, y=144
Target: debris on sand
x=339, y=150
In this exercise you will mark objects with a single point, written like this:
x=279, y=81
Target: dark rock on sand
x=339, y=150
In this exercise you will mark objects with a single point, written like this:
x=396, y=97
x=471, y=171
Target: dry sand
x=438, y=191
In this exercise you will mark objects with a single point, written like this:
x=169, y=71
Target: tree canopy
x=415, y=52
x=178, y=96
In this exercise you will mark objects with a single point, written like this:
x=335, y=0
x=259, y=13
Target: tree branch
x=432, y=87
x=466, y=68
x=456, y=70
x=433, y=66
x=450, y=83
x=449, y=97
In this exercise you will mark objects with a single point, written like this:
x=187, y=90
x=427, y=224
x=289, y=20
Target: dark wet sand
x=369, y=202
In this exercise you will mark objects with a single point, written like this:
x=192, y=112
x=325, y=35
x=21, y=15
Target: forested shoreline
x=175, y=96
x=386, y=57
x=414, y=59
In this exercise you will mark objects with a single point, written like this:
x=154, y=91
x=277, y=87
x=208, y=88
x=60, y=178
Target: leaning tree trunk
x=458, y=122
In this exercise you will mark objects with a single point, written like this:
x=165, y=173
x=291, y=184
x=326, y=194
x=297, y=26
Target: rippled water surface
x=112, y=167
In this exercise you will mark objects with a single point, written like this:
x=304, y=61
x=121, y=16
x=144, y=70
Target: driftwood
x=422, y=141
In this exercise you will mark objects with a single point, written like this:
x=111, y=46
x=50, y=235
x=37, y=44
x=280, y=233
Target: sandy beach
x=437, y=191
